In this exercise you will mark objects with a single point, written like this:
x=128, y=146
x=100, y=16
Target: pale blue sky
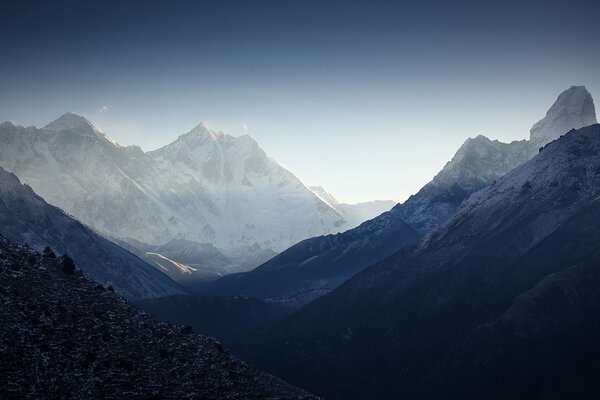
x=368, y=99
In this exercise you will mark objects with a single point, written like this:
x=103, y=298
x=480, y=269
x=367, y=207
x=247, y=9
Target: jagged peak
x=203, y=132
x=201, y=128
x=69, y=121
x=573, y=109
x=73, y=122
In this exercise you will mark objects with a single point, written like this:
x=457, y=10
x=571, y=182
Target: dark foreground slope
x=501, y=302
x=66, y=337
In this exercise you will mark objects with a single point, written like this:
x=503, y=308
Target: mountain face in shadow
x=499, y=302
x=27, y=218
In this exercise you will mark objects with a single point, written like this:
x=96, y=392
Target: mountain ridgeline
x=481, y=285
x=499, y=302
x=322, y=263
x=206, y=187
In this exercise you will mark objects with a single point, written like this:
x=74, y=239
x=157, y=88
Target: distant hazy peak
x=573, y=109
x=69, y=121
x=203, y=130
x=8, y=124
x=73, y=122
x=202, y=133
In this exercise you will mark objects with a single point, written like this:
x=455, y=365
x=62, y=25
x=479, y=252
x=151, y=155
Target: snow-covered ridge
x=206, y=186
x=75, y=123
x=480, y=161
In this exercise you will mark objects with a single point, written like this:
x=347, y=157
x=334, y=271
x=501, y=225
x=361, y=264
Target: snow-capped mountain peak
x=71, y=122
x=573, y=109
x=206, y=186
x=202, y=131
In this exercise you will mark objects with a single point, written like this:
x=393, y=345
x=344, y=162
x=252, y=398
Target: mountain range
x=481, y=285
x=320, y=264
x=499, y=302
x=206, y=187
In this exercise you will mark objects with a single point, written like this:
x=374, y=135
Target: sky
x=367, y=99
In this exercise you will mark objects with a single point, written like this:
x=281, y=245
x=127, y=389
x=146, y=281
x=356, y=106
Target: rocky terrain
x=64, y=336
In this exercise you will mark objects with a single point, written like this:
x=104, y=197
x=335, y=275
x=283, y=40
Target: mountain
x=246, y=197
x=573, y=109
x=206, y=187
x=500, y=302
x=322, y=263
x=480, y=161
x=63, y=335
x=27, y=218
x=354, y=214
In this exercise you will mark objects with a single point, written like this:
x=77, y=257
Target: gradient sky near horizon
x=368, y=99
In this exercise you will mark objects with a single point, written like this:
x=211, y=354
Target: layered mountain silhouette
x=27, y=218
x=499, y=302
x=320, y=264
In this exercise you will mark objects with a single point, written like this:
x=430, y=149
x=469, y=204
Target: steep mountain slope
x=332, y=259
x=224, y=318
x=27, y=218
x=322, y=263
x=63, y=335
x=256, y=200
x=354, y=214
x=76, y=167
x=207, y=187
x=457, y=314
x=476, y=164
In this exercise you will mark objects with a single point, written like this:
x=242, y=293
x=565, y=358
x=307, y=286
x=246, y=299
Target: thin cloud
x=104, y=109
